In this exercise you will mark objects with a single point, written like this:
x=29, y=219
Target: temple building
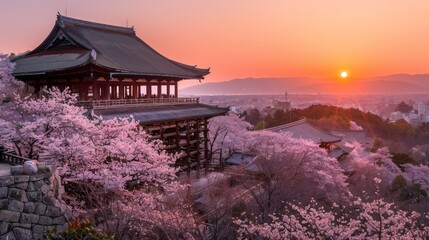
x=302, y=129
x=116, y=74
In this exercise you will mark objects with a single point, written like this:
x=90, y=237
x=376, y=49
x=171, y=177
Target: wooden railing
x=103, y=104
x=10, y=158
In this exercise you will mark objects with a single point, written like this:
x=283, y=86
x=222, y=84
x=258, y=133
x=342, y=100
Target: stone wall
x=28, y=206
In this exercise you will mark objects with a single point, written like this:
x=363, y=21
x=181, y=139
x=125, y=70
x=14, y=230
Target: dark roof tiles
x=117, y=49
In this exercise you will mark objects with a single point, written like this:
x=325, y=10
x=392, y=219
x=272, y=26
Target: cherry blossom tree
x=113, y=158
x=418, y=175
x=362, y=167
x=290, y=168
x=225, y=132
x=376, y=219
x=9, y=86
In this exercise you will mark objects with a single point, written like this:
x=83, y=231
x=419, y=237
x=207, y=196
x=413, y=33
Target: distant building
x=421, y=108
x=404, y=108
x=285, y=105
x=303, y=129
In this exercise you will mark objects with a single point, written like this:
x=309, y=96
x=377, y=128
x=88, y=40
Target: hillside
x=395, y=84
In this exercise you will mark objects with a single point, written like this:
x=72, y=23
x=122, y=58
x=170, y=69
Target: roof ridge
x=63, y=20
x=288, y=125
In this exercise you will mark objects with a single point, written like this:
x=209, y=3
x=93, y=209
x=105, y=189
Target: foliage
x=398, y=183
x=291, y=168
x=252, y=116
x=131, y=174
x=325, y=116
x=224, y=132
x=418, y=174
x=7, y=81
x=77, y=230
x=402, y=158
x=376, y=219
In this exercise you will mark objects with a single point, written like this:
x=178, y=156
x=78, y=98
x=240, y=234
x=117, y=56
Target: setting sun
x=344, y=74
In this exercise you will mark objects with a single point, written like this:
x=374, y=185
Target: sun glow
x=344, y=74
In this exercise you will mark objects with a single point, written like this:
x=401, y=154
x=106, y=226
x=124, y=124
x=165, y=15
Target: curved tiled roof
x=302, y=129
x=117, y=49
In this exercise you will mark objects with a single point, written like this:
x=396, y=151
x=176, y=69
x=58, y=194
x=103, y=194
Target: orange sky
x=243, y=38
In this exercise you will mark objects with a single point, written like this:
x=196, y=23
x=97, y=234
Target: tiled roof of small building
x=302, y=129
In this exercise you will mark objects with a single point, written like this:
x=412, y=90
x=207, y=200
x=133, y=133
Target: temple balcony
x=120, y=103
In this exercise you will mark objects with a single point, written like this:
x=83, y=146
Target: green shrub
x=77, y=230
x=398, y=182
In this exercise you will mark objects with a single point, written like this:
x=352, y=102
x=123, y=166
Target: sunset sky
x=250, y=38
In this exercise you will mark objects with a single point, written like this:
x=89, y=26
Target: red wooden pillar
x=95, y=90
x=159, y=89
x=148, y=90
x=176, y=90
x=107, y=90
x=81, y=91
x=121, y=90
x=135, y=92
x=168, y=89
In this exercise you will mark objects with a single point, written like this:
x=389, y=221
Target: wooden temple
x=116, y=74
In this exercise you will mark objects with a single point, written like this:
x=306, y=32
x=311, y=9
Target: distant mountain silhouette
x=392, y=84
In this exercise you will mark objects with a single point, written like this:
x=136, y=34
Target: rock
x=17, y=194
x=5, y=227
x=38, y=236
x=40, y=208
x=22, y=186
x=29, y=207
x=8, y=236
x=22, y=178
x=43, y=220
x=34, y=196
x=3, y=192
x=59, y=220
x=52, y=211
x=39, y=177
x=39, y=183
x=30, y=167
x=38, y=229
x=23, y=234
x=9, y=216
x=44, y=189
x=61, y=228
x=16, y=206
x=31, y=187
x=48, y=200
x=16, y=170
x=4, y=203
x=22, y=225
x=6, y=181
x=29, y=218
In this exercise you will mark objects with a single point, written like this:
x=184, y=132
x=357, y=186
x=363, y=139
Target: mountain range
x=391, y=84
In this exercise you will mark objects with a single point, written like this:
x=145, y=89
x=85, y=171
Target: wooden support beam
x=206, y=144
x=176, y=90
x=197, y=125
x=188, y=145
